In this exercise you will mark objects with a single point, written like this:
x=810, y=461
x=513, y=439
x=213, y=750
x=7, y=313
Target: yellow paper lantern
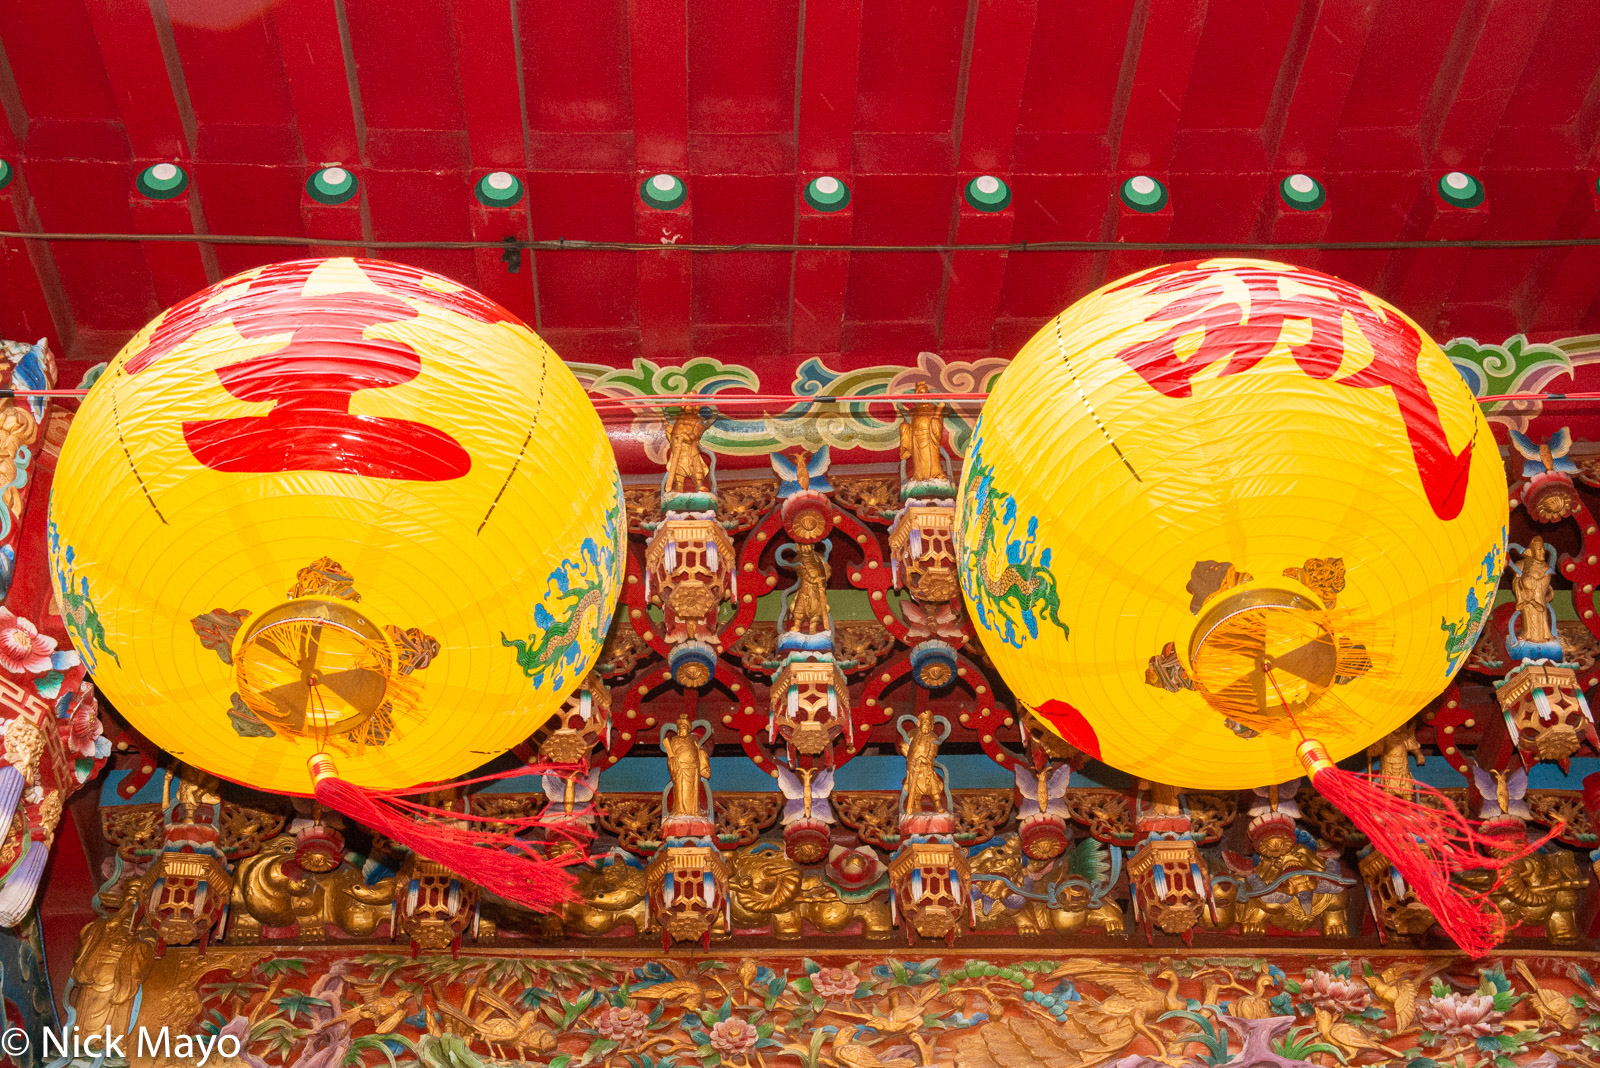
x=337, y=506
x=1216, y=508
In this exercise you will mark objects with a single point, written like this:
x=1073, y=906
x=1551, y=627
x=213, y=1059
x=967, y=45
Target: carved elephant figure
x=767, y=888
x=270, y=890
x=1541, y=890
x=608, y=897
x=999, y=907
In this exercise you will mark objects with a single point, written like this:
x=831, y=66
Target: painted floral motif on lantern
x=78, y=611
x=571, y=632
x=1462, y=634
x=1007, y=578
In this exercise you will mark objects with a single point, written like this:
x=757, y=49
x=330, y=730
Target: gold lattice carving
x=635, y=820
x=1551, y=807
x=1212, y=814
x=742, y=817
x=135, y=830
x=981, y=813
x=757, y=647
x=1107, y=813
x=741, y=505
x=623, y=647
x=875, y=497
x=864, y=641
x=643, y=505
x=871, y=814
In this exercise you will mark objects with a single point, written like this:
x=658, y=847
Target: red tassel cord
x=502, y=863
x=1425, y=844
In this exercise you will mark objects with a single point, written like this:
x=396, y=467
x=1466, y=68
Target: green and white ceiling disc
x=6, y=174
x=162, y=181
x=331, y=185
x=1143, y=193
x=988, y=193
x=663, y=191
x=499, y=189
x=1302, y=192
x=826, y=194
x=1461, y=189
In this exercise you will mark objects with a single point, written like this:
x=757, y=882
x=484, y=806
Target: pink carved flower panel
x=23, y=650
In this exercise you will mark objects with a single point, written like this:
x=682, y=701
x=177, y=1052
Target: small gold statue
x=1393, y=752
x=687, y=470
x=808, y=608
x=271, y=890
x=924, y=788
x=112, y=962
x=687, y=766
x=608, y=897
x=922, y=441
x=1532, y=587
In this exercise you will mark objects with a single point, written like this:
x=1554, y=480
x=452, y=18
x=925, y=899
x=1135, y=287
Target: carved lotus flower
x=621, y=1024
x=855, y=869
x=835, y=983
x=1458, y=1015
x=23, y=650
x=1338, y=995
x=733, y=1037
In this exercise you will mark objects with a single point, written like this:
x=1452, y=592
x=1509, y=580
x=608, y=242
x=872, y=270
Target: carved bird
x=1349, y=1038
x=1134, y=997
x=1547, y=1003
x=853, y=1054
x=1255, y=1006
x=903, y=1017
x=1397, y=989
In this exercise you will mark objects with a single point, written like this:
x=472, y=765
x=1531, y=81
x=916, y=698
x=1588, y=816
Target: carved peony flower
x=733, y=1037
x=1458, y=1015
x=84, y=729
x=1338, y=995
x=621, y=1024
x=23, y=650
x=855, y=869
x=835, y=983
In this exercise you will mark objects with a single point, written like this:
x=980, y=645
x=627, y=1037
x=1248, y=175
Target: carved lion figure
x=1001, y=907
x=609, y=897
x=767, y=888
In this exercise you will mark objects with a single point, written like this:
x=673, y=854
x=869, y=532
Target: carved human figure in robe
x=1533, y=591
x=922, y=440
x=687, y=766
x=808, y=608
x=687, y=470
x=113, y=960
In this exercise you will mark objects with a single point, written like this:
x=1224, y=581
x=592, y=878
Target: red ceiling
x=905, y=100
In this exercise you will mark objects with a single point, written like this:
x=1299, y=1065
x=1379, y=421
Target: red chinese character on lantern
x=310, y=382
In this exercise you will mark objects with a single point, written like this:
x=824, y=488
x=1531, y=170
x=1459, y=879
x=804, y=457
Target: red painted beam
x=1322, y=86
x=658, y=35
x=153, y=111
x=1160, y=79
x=313, y=59
x=491, y=84
x=987, y=132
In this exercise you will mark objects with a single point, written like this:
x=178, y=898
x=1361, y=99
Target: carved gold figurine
x=270, y=890
x=808, y=606
x=113, y=960
x=687, y=767
x=922, y=441
x=770, y=890
x=608, y=897
x=1060, y=903
x=687, y=470
x=1288, y=884
x=925, y=788
x=1393, y=752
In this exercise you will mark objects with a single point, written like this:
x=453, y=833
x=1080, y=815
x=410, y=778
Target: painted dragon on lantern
x=1007, y=578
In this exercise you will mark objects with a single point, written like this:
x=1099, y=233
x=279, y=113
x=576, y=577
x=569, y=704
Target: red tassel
x=522, y=876
x=1425, y=844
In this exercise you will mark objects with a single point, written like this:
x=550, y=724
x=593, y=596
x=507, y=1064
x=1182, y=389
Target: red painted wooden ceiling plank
x=486, y=48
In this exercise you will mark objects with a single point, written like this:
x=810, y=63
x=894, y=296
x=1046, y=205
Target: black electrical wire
x=571, y=245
